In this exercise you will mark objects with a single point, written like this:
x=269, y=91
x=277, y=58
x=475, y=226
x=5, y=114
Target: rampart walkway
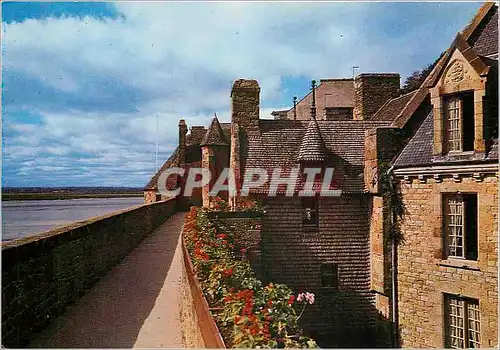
x=137, y=304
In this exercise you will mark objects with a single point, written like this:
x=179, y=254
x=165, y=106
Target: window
x=329, y=275
x=463, y=322
x=158, y=197
x=459, y=112
x=460, y=221
x=310, y=212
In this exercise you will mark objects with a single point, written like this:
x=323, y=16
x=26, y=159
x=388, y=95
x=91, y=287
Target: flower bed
x=247, y=313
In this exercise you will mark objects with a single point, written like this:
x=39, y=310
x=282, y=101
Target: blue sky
x=83, y=83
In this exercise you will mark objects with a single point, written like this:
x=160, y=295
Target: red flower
x=291, y=300
x=222, y=236
x=243, y=250
x=227, y=272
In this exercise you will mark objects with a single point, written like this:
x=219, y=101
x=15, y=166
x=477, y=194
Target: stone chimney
x=182, y=142
x=372, y=90
x=245, y=100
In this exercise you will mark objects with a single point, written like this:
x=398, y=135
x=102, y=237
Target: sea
x=29, y=217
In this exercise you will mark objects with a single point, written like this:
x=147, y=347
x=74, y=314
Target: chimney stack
x=372, y=90
x=182, y=142
x=245, y=101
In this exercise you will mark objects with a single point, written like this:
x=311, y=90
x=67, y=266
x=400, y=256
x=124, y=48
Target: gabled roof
x=478, y=20
x=485, y=43
x=391, y=109
x=483, y=18
x=215, y=135
x=312, y=148
x=171, y=161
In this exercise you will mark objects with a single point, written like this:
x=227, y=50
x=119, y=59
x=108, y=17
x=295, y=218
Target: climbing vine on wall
x=393, y=205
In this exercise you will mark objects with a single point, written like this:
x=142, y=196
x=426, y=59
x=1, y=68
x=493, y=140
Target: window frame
x=454, y=128
x=463, y=315
x=457, y=226
x=314, y=208
x=454, y=137
x=333, y=274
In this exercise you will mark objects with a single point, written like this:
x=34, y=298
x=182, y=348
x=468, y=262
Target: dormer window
x=459, y=112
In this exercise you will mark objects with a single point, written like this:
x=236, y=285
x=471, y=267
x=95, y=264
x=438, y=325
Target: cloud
x=91, y=87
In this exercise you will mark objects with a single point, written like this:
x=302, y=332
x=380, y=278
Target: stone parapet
x=43, y=274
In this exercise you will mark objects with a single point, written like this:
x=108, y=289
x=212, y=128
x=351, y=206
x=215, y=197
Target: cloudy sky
x=83, y=83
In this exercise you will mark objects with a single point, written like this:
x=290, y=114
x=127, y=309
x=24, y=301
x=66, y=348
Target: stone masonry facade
x=425, y=276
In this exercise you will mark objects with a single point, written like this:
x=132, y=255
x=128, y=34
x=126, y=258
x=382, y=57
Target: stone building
x=328, y=252
x=443, y=149
x=441, y=144
x=345, y=99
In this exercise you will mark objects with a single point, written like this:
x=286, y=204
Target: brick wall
x=43, y=274
x=423, y=274
x=293, y=256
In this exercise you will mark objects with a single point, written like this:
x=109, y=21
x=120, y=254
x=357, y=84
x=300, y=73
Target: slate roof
x=215, y=135
x=487, y=42
x=279, y=146
x=312, y=148
x=391, y=109
x=485, y=39
x=419, y=150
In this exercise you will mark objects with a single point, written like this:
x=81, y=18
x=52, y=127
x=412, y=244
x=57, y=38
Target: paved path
x=137, y=304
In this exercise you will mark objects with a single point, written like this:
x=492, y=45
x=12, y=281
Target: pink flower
x=306, y=297
x=310, y=297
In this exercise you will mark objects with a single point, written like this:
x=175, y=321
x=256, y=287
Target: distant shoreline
x=53, y=196
x=48, y=193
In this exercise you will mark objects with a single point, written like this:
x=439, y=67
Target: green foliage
x=249, y=315
x=393, y=205
x=415, y=80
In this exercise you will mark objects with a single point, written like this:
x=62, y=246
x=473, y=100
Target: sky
x=84, y=83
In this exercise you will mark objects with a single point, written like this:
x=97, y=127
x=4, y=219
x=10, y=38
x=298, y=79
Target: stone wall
x=372, y=91
x=381, y=145
x=149, y=196
x=245, y=102
x=199, y=329
x=291, y=255
x=43, y=274
x=424, y=276
x=191, y=332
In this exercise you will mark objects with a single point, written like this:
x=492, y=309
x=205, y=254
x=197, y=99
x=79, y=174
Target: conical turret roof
x=214, y=135
x=312, y=148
